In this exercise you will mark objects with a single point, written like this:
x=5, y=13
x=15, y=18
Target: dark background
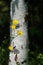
x=35, y=31
x=4, y=31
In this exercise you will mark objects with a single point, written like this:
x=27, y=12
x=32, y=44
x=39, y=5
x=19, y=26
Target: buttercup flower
x=12, y=27
x=14, y=22
x=19, y=32
x=10, y=48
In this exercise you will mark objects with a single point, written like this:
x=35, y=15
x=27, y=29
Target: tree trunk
x=18, y=11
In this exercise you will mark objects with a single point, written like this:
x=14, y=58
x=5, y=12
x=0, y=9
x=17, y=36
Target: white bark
x=20, y=41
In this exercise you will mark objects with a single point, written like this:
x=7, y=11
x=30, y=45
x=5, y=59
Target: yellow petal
x=19, y=32
x=10, y=48
x=15, y=22
x=12, y=26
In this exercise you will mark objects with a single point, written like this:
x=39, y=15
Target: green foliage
x=36, y=32
x=4, y=6
x=3, y=56
x=4, y=31
x=17, y=63
x=35, y=58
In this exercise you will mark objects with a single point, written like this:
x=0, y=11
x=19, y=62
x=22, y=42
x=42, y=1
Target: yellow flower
x=13, y=27
x=15, y=22
x=19, y=32
x=10, y=48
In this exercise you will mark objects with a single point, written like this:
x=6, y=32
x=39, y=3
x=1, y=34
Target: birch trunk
x=18, y=11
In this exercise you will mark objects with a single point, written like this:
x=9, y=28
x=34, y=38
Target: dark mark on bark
x=16, y=57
